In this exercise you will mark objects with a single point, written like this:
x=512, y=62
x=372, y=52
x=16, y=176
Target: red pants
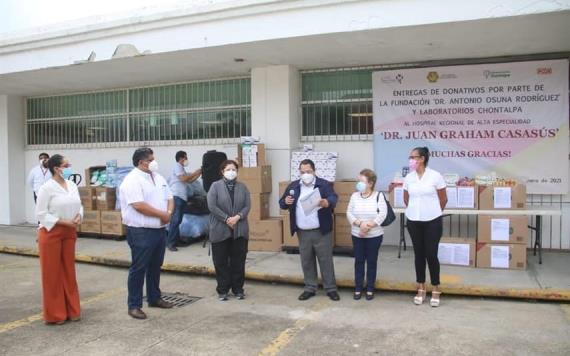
x=59, y=285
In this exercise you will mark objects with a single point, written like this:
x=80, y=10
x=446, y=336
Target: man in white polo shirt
x=39, y=175
x=146, y=207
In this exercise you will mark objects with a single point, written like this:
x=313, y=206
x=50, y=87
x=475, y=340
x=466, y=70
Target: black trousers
x=229, y=261
x=425, y=238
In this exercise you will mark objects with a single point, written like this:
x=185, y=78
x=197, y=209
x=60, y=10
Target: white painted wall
x=12, y=179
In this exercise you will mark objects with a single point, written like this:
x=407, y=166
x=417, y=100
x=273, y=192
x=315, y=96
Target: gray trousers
x=313, y=246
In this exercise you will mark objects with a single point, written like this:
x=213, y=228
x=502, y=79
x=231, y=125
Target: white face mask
x=153, y=166
x=307, y=178
x=230, y=174
x=186, y=163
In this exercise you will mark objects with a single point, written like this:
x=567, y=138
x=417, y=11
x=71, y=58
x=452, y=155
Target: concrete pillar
x=12, y=160
x=276, y=118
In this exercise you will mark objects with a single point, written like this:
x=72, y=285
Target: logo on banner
x=390, y=79
x=496, y=74
x=544, y=71
x=399, y=78
x=432, y=77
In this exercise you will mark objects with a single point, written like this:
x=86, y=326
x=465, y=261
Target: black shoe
x=137, y=314
x=222, y=297
x=172, y=248
x=239, y=296
x=161, y=304
x=306, y=295
x=357, y=295
x=369, y=295
x=334, y=296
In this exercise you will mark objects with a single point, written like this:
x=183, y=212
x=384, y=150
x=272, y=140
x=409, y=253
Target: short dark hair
x=179, y=155
x=43, y=154
x=423, y=152
x=141, y=154
x=227, y=163
x=309, y=162
x=55, y=161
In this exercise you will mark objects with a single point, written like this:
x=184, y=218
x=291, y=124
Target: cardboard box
x=90, y=170
x=266, y=235
x=503, y=229
x=342, y=231
x=282, y=186
x=462, y=197
x=257, y=179
x=492, y=197
x=259, y=206
x=455, y=251
x=251, y=155
x=288, y=239
x=88, y=197
x=91, y=222
x=106, y=198
x=501, y=256
x=112, y=223
x=344, y=190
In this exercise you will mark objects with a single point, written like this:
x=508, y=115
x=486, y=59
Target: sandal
x=434, y=301
x=420, y=297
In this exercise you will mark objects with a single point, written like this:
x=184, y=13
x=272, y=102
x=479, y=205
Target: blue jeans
x=147, y=254
x=366, y=252
x=175, y=221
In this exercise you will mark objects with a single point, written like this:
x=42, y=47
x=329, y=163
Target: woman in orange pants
x=59, y=212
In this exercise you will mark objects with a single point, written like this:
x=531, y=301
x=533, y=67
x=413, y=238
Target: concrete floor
x=270, y=321
x=551, y=279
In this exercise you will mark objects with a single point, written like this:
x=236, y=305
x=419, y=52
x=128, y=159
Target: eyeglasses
x=414, y=157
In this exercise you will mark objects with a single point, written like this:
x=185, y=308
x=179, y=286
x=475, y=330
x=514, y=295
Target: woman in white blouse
x=59, y=212
x=366, y=211
x=425, y=199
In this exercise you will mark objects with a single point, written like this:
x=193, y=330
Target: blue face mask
x=66, y=173
x=361, y=187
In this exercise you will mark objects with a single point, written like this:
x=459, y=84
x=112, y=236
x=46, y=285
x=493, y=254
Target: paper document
x=500, y=256
x=502, y=198
x=500, y=229
x=451, y=197
x=399, y=197
x=453, y=254
x=310, y=202
x=465, y=197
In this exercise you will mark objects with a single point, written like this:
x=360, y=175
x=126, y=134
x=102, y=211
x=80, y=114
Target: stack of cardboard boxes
x=265, y=232
x=100, y=216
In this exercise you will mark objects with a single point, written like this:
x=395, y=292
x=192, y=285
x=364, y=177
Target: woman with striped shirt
x=366, y=211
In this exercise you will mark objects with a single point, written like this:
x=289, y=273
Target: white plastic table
x=536, y=211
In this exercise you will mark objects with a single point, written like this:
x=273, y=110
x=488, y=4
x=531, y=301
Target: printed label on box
x=499, y=256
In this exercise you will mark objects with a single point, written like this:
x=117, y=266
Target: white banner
x=508, y=118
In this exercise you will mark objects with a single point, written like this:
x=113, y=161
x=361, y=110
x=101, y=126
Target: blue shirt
x=178, y=187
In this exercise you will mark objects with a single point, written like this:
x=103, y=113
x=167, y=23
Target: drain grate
x=178, y=299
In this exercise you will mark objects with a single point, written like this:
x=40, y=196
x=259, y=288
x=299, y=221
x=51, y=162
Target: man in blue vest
x=314, y=228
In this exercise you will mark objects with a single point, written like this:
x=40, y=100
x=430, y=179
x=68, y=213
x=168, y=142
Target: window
x=337, y=104
x=219, y=109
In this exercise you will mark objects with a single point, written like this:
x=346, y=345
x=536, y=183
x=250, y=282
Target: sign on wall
x=507, y=118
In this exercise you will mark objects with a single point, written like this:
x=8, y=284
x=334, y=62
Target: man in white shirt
x=178, y=182
x=39, y=175
x=146, y=207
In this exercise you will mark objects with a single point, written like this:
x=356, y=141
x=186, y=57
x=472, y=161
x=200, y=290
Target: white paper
x=502, y=197
x=399, y=197
x=310, y=202
x=451, y=197
x=500, y=256
x=500, y=229
x=453, y=254
x=465, y=197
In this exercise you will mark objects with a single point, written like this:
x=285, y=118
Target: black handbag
x=390, y=215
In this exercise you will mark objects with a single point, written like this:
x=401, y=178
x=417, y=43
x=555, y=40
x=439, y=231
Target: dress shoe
x=172, y=248
x=357, y=295
x=137, y=314
x=369, y=295
x=240, y=296
x=334, y=296
x=161, y=304
x=223, y=297
x=306, y=295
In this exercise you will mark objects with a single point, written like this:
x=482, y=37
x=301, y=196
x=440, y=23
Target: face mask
x=41, y=162
x=361, y=187
x=230, y=175
x=153, y=166
x=186, y=163
x=307, y=178
x=66, y=172
x=413, y=164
